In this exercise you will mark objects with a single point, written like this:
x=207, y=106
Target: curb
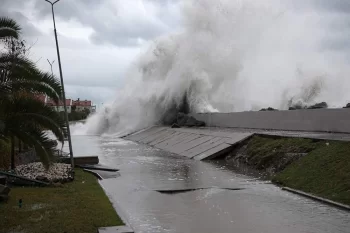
x=97, y=167
x=94, y=173
x=119, y=210
x=320, y=199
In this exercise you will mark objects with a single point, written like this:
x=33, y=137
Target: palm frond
x=46, y=122
x=24, y=74
x=38, y=140
x=29, y=110
x=35, y=88
x=9, y=28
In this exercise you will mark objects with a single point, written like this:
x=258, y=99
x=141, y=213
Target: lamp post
x=61, y=76
x=51, y=63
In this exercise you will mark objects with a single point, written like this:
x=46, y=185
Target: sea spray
x=230, y=55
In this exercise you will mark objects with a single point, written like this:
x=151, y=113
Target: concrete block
x=214, y=152
x=144, y=133
x=313, y=120
x=203, y=147
x=154, y=136
x=181, y=147
x=173, y=141
x=170, y=136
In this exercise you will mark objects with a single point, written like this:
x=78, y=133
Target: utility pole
x=61, y=76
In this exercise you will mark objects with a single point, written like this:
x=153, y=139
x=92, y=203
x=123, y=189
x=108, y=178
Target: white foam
x=232, y=55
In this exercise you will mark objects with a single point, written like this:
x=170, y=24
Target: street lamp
x=51, y=63
x=61, y=76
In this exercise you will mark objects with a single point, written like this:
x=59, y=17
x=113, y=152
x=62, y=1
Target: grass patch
x=79, y=206
x=263, y=152
x=325, y=172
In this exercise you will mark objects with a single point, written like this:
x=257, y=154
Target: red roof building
x=79, y=105
x=82, y=103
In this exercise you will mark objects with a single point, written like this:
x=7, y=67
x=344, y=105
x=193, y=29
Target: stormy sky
x=100, y=39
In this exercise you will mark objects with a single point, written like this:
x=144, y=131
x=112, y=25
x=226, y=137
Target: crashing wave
x=230, y=55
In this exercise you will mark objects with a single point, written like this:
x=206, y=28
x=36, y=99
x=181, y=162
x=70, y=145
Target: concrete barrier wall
x=321, y=120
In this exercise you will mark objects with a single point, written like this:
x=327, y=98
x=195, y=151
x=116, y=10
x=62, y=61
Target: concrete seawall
x=316, y=120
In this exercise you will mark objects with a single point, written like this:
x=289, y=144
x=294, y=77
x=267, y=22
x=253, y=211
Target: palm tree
x=9, y=28
x=22, y=116
x=26, y=119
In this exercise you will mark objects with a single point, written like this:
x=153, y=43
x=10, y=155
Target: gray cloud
x=91, y=70
x=337, y=6
x=108, y=22
x=11, y=9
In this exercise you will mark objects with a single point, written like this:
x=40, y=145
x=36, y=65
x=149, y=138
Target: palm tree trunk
x=12, y=153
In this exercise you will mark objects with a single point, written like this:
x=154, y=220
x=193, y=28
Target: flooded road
x=161, y=192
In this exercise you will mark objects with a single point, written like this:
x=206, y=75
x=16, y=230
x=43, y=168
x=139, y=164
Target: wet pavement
x=161, y=192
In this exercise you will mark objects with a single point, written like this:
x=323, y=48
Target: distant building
x=59, y=107
x=80, y=105
x=72, y=105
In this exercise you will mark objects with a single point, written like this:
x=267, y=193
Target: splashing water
x=230, y=55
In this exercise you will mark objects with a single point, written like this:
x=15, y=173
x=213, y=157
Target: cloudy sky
x=100, y=39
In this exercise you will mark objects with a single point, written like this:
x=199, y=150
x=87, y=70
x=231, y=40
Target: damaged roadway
x=206, y=205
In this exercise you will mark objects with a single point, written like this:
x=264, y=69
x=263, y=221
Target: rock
x=347, y=106
x=188, y=121
x=58, y=172
x=181, y=119
x=175, y=126
x=318, y=105
x=4, y=191
x=296, y=107
x=193, y=122
x=268, y=109
x=169, y=117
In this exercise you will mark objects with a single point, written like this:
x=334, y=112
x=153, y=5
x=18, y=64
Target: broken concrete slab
x=143, y=133
x=184, y=146
x=161, y=137
x=214, y=152
x=97, y=167
x=100, y=174
x=192, y=143
x=203, y=147
x=155, y=136
x=185, y=190
x=165, y=138
x=173, y=141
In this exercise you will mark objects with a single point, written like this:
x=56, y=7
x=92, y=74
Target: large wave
x=230, y=55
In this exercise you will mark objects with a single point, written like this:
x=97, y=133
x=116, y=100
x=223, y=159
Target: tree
x=22, y=116
x=9, y=28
